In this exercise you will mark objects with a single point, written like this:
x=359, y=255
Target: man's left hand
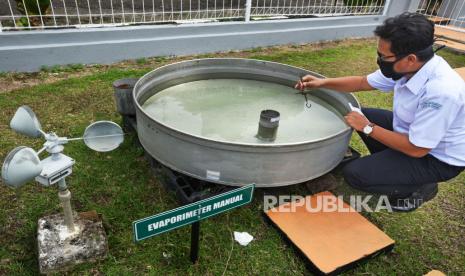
x=356, y=120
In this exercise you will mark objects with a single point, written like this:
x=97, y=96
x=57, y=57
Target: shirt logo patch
x=430, y=104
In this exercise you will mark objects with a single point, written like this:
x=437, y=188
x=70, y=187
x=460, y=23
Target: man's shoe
x=417, y=198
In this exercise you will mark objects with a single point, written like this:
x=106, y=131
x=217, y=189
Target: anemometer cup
x=25, y=122
x=21, y=165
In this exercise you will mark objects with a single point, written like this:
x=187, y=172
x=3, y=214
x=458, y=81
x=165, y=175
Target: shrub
x=30, y=8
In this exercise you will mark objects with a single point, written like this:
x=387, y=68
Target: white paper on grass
x=243, y=238
x=356, y=109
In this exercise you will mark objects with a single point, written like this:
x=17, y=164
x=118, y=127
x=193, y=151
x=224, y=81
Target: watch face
x=367, y=129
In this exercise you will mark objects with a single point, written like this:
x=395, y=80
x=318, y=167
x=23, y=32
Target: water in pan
x=229, y=110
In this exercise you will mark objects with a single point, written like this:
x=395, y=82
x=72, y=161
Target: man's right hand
x=309, y=81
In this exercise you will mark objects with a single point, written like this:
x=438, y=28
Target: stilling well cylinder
x=268, y=125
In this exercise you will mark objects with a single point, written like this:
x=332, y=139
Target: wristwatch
x=368, y=129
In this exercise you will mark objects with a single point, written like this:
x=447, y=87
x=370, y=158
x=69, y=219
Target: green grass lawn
x=121, y=187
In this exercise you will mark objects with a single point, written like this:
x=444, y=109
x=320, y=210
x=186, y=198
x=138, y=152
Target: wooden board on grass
x=450, y=34
x=332, y=241
x=461, y=72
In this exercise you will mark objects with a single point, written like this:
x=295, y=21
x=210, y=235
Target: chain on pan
x=307, y=103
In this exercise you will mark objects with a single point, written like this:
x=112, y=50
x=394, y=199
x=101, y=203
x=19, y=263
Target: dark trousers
x=390, y=172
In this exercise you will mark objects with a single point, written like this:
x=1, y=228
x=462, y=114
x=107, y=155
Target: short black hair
x=408, y=33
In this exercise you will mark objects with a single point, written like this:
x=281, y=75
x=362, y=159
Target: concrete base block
x=60, y=250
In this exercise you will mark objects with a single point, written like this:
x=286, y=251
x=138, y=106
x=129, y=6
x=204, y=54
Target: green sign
x=188, y=214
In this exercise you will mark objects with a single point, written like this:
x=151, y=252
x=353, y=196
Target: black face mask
x=387, y=67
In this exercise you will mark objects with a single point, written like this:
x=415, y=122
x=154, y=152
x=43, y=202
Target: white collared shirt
x=430, y=108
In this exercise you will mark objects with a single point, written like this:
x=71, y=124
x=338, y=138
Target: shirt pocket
x=405, y=114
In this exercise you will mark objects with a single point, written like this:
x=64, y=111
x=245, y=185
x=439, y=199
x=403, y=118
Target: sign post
x=195, y=240
x=192, y=214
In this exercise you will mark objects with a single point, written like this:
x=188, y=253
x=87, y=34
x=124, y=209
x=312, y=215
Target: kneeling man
x=422, y=141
